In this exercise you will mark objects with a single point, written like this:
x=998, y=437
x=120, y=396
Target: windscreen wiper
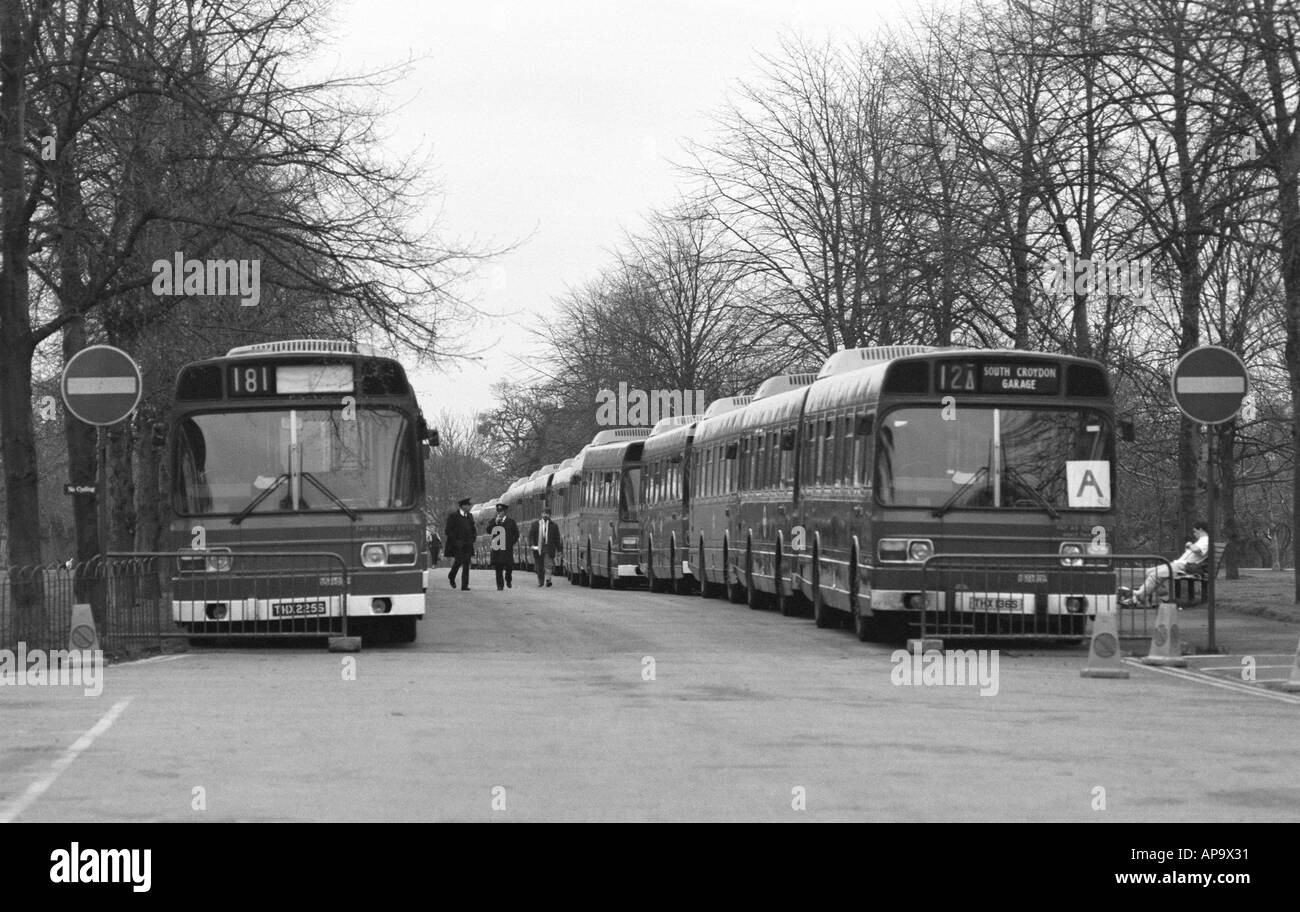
x=1033, y=492
x=352, y=514
x=243, y=514
x=956, y=495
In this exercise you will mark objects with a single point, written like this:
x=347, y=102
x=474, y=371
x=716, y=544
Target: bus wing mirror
x=1126, y=430
x=159, y=437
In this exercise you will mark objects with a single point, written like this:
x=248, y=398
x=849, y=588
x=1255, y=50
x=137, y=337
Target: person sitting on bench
x=1188, y=564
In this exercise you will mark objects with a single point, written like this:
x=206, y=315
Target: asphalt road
x=537, y=704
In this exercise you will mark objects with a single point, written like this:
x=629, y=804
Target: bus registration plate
x=996, y=604
x=297, y=609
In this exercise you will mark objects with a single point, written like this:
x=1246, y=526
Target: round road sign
x=101, y=385
x=1209, y=384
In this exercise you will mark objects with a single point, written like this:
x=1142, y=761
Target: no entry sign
x=101, y=385
x=1209, y=384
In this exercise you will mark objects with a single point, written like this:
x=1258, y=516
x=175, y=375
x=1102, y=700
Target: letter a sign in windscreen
x=1088, y=481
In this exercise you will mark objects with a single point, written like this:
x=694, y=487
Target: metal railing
x=1030, y=596
x=139, y=599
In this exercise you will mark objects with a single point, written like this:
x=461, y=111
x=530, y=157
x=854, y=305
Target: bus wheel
x=401, y=629
x=706, y=591
x=588, y=578
x=735, y=590
x=612, y=581
x=821, y=614
x=785, y=604
x=864, y=628
x=678, y=584
x=656, y=584
x=752, y=594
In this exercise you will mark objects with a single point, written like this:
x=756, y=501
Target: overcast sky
x=553, y=123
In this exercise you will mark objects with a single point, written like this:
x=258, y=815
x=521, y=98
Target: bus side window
x=846, y=450
x=861, y=453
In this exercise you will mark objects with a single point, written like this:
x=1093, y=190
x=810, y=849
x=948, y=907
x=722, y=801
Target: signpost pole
x=1212, y=519
x=101, y=489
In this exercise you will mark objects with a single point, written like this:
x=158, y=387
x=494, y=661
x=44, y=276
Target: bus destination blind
x=270, y=379
x=999, y=377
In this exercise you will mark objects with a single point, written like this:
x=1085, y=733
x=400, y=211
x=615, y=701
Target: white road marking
x=97, y=386
x=39, y=787
x=1243, y=688
x=153, y=660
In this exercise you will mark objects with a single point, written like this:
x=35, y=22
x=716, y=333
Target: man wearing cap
x=504, y=533
x=545, y=540
x=459, y=536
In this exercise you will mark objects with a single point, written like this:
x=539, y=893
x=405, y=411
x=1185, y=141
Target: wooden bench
x=1190, y=588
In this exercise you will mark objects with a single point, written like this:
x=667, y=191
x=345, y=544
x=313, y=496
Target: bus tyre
x=785, y=604
x=821, y=613
x=588, y=577
x=735, y=590
x=706, y=590
x=754, y=597
x=401, y=629
x=612, y=581
x=678, y=586
x=656, y=584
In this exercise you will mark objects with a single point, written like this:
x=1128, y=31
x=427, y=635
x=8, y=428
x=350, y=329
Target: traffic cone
x=81, y=632
x=1293, y=684
x=1166, y=649
x=1103, y=652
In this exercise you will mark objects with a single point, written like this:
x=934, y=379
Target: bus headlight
x=919, y=550
x=892, y=549
x=1071, y=548
x=379, y=554
x=401, y=553
x=219, y=563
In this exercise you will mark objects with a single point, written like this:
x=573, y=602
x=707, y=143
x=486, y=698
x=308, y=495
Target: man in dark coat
x=544, y=536
x=505, y=535
x=459, y=538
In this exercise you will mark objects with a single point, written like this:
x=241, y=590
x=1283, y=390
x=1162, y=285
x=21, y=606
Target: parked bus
x=906, y=452
x=714, y=497
x=665, y=504
x=303, y=446
x=602, y=521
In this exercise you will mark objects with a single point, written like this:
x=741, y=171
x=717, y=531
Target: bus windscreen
x=995, y=458
x=364, y=459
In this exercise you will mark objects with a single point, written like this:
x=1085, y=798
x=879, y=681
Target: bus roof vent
x=545, y=470
x=671, y=421
x=304, y=347
x=782, y=383
x=615, y=434
x=720, y=406
x=849, y=359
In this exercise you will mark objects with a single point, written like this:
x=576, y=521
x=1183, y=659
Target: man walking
x=545, y=539
x=459, y=536
x=505, y=535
